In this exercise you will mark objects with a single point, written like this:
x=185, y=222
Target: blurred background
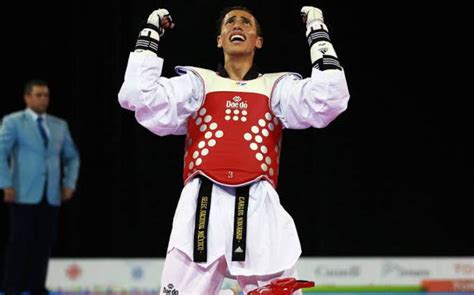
x=387, y=182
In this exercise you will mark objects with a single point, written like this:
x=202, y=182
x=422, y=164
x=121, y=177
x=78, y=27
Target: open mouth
x=237, y=38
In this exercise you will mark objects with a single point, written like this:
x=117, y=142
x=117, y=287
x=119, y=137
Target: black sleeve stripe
x=147, y=43
x=327, y=62
x=317, y=36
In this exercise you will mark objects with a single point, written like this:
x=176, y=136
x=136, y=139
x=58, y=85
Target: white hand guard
x=323, y=55
x=311, y=14
x=149, y=37
x=157, y=17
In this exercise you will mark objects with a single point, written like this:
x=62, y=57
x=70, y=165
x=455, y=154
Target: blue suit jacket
x=27, y=165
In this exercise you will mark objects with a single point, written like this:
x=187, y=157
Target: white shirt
x=163, y=105
x=35, y=117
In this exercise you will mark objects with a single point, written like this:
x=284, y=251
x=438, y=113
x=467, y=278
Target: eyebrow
x=242, y=17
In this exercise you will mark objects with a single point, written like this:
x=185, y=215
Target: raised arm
x=160, y=104
x=315, y=101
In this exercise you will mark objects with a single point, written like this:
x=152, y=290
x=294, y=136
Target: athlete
x=229, y=221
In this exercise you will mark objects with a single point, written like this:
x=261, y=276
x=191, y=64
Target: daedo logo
x=170, y=290
x=236, y=103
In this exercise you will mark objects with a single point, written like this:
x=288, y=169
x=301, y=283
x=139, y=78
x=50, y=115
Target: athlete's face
x=239, y=34
x=38, y=99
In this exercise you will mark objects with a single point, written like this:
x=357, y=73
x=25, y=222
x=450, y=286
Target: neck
x=237, y=66
x=38, y=112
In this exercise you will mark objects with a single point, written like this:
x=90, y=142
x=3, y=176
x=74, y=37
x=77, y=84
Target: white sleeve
x=162, y=105
x=314, y=101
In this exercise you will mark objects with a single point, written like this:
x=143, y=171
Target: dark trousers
x=33, y=230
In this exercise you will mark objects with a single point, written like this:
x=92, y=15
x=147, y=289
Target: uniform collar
x=253, y=73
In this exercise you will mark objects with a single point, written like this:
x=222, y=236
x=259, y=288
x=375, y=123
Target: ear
x=259, y=43
x=219, y=41
x=27, y=99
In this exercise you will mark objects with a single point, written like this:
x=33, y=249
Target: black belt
x=203, y=209
x=240, y=223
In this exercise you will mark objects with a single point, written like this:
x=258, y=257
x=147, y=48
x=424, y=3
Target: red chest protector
x=234, y=138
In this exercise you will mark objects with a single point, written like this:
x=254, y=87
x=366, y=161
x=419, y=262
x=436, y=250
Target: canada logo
x=73, y=272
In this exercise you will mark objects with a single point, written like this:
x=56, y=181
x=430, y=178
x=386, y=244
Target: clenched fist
x=161, y=19
x=158, y=21
x=311, y=14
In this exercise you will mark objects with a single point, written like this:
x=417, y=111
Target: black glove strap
x=318, y=36
x=147, y=43
x=151, y=26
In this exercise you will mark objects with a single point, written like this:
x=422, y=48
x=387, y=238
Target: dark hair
x=229, y=9
x=30, y=84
